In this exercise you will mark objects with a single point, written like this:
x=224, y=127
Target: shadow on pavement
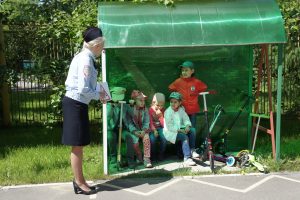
x=147, y=178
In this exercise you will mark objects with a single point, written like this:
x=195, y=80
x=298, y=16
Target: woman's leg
x=76, y=164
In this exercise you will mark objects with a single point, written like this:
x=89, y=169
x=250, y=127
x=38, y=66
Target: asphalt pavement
x=273, y=186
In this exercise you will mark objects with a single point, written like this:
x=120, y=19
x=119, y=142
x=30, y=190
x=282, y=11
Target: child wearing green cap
x=189, y=87
x=177, y=128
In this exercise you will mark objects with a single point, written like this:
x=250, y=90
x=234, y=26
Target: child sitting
x=138, y=126
x=177, y=127
x=156, y=113
x=113, y=123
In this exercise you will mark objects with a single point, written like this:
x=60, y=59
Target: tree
x=7, y=12
x=3, y=83
x=291, y=15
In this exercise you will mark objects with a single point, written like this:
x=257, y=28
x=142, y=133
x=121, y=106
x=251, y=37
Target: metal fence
x=31, y=102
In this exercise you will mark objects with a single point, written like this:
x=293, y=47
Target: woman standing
x=80, y=90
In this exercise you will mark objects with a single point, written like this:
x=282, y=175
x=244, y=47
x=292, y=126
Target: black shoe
x=92, y=187
x=78, y=190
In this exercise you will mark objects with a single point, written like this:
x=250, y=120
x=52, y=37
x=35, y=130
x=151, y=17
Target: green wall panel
x=224, y=69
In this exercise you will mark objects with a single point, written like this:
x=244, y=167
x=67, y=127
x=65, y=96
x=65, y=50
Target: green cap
x=188, y=64
x=118, y=93
x=175, y=95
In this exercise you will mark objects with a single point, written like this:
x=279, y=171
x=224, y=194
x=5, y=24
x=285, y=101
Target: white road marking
x=251, y=187
x=125, y=189
x=34, y=185
x=93, y=196
x=38, y=185
x=255, y=185
x=176, y=180
x=289, y=179
x=164, y=186
x=144, y=193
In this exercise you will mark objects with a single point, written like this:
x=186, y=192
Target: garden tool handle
x=120, y=130
x=121, y=112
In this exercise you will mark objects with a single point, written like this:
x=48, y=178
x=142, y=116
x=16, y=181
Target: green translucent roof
x=194, y=23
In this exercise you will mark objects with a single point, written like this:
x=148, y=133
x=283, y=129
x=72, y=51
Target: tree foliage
x=48, y=32
x=291, y=15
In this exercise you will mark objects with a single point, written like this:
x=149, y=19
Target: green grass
x=289, y=147
x=289, y=158
x=35, y=155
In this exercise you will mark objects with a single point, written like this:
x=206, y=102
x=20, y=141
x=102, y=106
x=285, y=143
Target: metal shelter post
x=278, y=111
x=104, y=118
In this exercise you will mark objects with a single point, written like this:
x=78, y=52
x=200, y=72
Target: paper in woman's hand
x=102, y=88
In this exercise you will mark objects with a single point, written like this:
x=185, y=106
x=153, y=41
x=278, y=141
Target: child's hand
x=142, y=134
x=137, y=134
x=187, y=129
x=158, y=112
x=180, y=131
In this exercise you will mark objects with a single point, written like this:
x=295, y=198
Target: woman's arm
x=87, y=78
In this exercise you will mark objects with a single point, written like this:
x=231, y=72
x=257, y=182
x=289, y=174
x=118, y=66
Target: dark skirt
x=75, y=123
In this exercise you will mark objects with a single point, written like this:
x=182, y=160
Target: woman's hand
x=102, y=97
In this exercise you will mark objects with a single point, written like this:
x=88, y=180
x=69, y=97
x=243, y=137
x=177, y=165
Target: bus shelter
x=230, y=42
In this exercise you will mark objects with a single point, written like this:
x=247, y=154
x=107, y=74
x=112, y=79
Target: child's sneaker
x=195, y=154
x=147, y=163
x=189, y=162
